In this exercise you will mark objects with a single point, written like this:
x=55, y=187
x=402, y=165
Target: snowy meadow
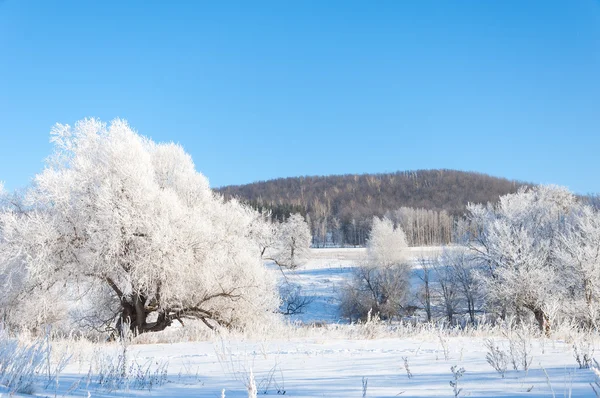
x=314, y=354
x=124, y=274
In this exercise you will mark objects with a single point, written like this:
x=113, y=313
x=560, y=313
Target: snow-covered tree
x=516, y=241
x=131, y=223
x=292, y=242
x=381, y=283
x=387, y=244
x=578, y=251
x=265, y=233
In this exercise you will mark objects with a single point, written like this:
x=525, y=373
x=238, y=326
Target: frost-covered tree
x=516, y=241
x=132, y=224
x=381, y=283
x=264, y=232
x=292, y=242
x=387, y=244
x=578, y=251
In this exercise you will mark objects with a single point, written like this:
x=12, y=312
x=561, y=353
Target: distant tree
x=264, y=232
x=387, y=244
x=130, y=227
x=381, y=283
x=292, y=245
x=425, y=293
x=447, y=289
x=462, y=268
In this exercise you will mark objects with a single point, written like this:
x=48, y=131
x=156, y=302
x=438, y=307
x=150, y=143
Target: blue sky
x=258, y=90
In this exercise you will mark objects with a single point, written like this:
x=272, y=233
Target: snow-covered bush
x=496, y=357
x=293, y=299
x=381, y=283
x=131, y=223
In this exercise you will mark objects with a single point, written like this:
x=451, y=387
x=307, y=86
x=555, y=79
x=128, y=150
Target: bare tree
x=463, y=267
x=425, y=295
x=447, y=288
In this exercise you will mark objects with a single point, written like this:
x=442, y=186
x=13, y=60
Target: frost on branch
x=129, y=229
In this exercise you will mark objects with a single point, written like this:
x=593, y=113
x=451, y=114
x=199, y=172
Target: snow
x=328, y=361
x=336, y=368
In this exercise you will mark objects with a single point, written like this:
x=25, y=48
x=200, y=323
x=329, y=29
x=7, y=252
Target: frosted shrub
x=407, y=367
x=583, y=352
x=293, y=300
x=21, y=365
x=444, y=344
x=457, y=373
x=115, y=372
x=496, y=357
x=519, y=343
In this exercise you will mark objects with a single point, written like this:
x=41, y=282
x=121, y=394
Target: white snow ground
x=331, y=365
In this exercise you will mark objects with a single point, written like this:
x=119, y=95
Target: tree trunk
x=543, y=321
x=135, y=316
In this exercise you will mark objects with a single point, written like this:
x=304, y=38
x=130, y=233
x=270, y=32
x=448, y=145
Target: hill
x=340, y=207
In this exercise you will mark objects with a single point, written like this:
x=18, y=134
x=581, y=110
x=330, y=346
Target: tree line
x=531, y=256
x=340, y=209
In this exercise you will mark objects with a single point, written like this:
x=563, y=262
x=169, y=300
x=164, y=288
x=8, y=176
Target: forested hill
x=343, y=203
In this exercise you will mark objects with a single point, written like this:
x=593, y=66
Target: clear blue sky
x=258, y=90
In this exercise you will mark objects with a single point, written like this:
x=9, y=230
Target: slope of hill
x=341, y=207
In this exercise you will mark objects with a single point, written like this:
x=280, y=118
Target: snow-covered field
x=331, y=360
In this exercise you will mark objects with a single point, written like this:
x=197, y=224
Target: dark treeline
x=339, y=209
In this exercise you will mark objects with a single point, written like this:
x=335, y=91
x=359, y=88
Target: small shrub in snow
x=457, y=373
x=583, y=351
x=114, y=373
x=444, y=343
x=519, y=347
x=270, y=381
x=293, y=300
x=496, y=357
x=407, y=368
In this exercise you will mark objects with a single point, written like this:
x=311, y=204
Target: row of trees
x=534, y=253
x=119, y=230
x=340, y=209
x=425, y=227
